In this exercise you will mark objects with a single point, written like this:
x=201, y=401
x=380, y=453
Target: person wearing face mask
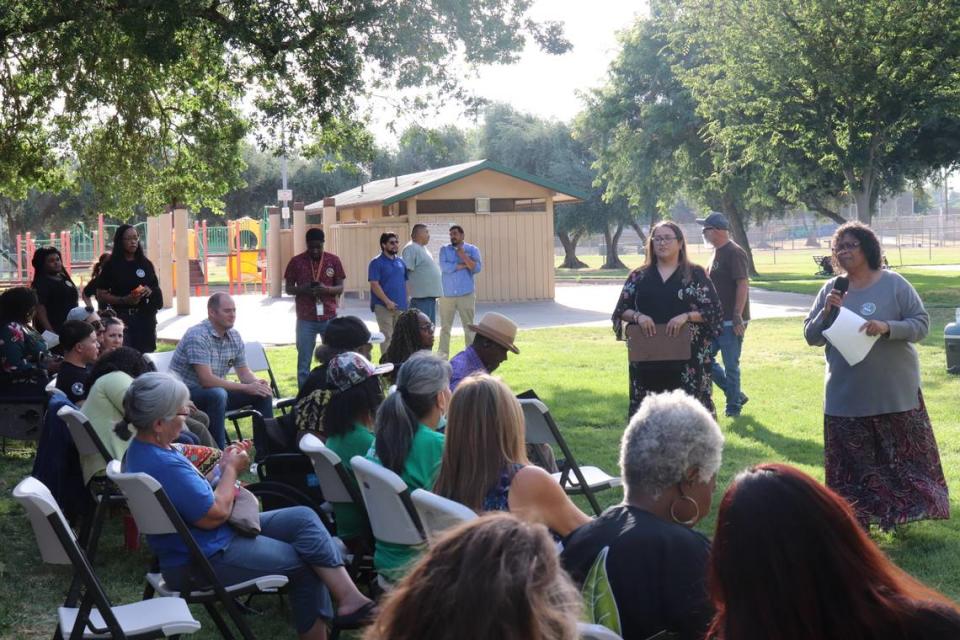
x=407, y=441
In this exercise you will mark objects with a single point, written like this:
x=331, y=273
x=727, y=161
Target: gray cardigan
x=888, y=379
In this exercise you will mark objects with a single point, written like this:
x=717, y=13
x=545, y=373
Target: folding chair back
x=393, y=517
x=535, y=423
x=438, y=513
x=161, y=360
x=596, y=632
x=95, y=617
x=84, y=437
x=335, y=481
x=257, y=361
x=143, y=499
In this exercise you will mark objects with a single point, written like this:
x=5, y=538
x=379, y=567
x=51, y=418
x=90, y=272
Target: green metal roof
x=389, y=190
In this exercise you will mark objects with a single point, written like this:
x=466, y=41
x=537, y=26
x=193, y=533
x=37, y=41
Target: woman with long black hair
x=56, y=293
x=128, y=283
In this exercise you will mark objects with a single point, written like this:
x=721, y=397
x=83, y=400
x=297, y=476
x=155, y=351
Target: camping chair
x=338, y=487
x=161, y=360
x=824, y=265
x=104, y=492
x=156, y=515
x=540, y=428
x=588, y=631
x=257, y=362
x=393, y=518
x=438, y=513
x=95, y=617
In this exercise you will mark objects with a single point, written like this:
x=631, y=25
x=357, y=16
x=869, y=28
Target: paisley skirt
x=886, y=466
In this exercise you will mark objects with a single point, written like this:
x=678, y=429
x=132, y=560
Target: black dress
x=58, y=295
x=121, y=276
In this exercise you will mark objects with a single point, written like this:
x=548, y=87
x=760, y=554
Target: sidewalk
x=271, y=320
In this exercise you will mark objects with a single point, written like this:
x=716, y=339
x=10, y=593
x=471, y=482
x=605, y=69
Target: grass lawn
x=582, y=376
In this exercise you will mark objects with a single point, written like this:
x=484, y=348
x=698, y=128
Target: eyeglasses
x=845, y=246
x=428, y=327
x=664, y=239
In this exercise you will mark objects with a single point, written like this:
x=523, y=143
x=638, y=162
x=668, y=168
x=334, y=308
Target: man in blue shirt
x=459, y=262
x=387, y=275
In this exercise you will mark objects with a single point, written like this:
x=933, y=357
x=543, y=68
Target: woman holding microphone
x=879, y=448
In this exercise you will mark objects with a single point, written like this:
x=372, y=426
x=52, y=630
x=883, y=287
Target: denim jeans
x=427, y=305
x=216, y=401
x=307, y=332
x=728, y=345
x=291, y=541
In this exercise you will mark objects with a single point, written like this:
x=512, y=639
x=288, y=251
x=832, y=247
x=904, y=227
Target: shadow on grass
x=796, y=450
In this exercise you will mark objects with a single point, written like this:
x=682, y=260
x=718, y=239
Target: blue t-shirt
x=392, y=276
x=190, y=493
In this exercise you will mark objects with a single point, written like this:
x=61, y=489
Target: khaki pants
x=467, y=307
x=385, y=321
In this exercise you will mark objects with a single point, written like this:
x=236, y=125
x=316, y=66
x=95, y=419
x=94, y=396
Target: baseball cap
x=350, y=369
x=79, y=313
x=716, y=220
x=349, y=332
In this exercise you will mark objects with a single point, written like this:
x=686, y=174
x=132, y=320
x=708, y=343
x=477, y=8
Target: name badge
x=319, y=309
x=141, y=273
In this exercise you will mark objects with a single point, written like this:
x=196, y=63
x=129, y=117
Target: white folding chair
x=596, y=632
x=540, y=428
x=161, y=360
x=95, y=617
x=335, y=481
x=257, y=362
x=438, y=513
x=156, y=515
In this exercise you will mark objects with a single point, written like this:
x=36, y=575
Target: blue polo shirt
x=392, y=276
x=458, y=282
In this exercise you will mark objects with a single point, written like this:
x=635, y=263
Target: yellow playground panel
x=251, y=234
x=249, y=267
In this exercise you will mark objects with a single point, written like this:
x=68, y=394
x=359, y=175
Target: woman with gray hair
x=292, y=542
x=407, y=440
x=644, y=550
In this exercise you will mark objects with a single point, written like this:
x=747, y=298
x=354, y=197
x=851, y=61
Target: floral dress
x=645, y=292
x=21, y=348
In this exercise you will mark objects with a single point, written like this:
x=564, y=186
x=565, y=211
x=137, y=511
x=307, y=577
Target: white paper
x=845, y=336
x=50, y=338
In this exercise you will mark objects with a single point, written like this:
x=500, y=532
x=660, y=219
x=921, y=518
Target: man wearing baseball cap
x=730, y=274
x=493, y=337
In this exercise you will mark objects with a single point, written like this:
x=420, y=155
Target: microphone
x=842, y=284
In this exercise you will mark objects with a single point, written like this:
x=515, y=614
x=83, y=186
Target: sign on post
x=284, y=195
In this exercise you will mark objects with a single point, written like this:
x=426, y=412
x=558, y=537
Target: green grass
x=582, y=376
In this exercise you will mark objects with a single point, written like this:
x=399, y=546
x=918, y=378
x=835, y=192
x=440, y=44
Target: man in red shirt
x=316, y=278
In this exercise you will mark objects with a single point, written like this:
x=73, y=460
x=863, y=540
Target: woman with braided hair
x=413, y=332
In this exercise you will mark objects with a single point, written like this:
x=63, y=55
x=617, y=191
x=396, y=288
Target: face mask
x=442, y=423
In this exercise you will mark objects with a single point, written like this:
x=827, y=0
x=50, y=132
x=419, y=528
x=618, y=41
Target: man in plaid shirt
x=203, y=357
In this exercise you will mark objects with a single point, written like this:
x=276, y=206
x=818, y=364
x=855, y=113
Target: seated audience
x=348, y=423
x=407, y=441
x=112, y=336
x=109, y=380
x=80, y=349
x=22, y=350
x=204, y=356
x=790, y=562
x=495, y=335
x=485, y=464
x=292, y=542
x=494, y=577
x=413, y=332
x=86, y=314
x=645, y=548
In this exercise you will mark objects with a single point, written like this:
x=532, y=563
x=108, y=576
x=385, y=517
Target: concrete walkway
x=271, y=320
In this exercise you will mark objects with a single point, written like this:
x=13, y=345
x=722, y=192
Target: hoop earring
x=687, y=523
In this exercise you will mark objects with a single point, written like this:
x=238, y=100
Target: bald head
x=221, y=311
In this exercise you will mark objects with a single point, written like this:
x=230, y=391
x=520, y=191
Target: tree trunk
x=738, y=229
x=612, y=240
x=570, y=260
x=636, y=228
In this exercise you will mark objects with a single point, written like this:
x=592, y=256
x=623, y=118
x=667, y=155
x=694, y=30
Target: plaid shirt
x=201, y=345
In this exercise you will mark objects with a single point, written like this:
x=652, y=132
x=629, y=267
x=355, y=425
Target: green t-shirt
x=419, y=472
x=104, y=408
x=356, y=442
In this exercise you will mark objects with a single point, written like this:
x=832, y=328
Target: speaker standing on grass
x=879, y=448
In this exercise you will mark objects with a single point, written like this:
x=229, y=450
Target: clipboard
x=659, y=347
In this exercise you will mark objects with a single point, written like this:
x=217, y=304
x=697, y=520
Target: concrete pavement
x=271, y=320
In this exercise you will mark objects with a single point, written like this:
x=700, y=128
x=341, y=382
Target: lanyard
x=316, y=274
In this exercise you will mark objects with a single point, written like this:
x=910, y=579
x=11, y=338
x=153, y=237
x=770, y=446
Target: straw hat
x=499, y=328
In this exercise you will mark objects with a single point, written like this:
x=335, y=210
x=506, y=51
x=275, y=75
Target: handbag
x=245, y=516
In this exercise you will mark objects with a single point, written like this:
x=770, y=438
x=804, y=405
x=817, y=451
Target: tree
x=422, y=148
x=67, y=65
x=831, y=97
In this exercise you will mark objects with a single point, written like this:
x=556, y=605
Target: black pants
x=141, y=331
x=646, y=378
